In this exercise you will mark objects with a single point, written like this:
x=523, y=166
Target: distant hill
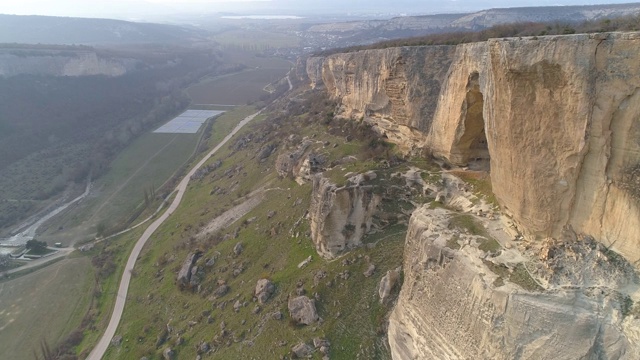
x=486, y=18
x=67, y=30
x=368, y=31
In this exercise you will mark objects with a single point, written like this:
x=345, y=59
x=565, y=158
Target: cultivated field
x=238, y=89
x=256, y=40
x=144, y=165
x=45, y=305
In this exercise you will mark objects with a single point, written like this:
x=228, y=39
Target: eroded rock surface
x=340, y=216
x=185, y=273
x=555, y=117
x=489, y=314
x=303, y=310
x=264, y=290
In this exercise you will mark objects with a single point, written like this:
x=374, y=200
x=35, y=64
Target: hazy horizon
x=158, y=9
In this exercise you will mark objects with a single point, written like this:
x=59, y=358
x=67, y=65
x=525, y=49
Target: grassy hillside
x=275, y=237
x=48, y=305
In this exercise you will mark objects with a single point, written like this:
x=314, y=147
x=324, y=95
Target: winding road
x=118, y=309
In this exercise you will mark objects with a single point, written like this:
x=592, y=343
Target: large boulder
x=288, y=163
x=264, y=290
x=387, y=284
x=184, y=275
x=303, y=310
x=340, y=215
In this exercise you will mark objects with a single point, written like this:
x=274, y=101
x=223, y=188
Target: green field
x=147, y=163
x=238, y=89
x=256, y=40
x=45, y=305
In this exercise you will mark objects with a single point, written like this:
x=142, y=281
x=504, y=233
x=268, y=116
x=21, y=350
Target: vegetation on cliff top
x=627, y=23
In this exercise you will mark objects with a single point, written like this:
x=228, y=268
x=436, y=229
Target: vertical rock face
x=562, y=127
x=557, y=121
x=452, y=307
x=340, y=216
x=383, y=86
x=556, y=117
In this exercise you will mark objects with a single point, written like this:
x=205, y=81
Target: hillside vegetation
x=57, y=131
x=275, y=239
x=626, y=23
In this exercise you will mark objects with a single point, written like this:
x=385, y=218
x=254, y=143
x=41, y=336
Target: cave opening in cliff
x=472, y=148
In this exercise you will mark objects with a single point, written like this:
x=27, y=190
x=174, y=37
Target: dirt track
x=105, y=340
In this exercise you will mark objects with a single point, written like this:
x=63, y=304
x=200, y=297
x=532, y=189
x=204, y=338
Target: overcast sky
x=142, y=8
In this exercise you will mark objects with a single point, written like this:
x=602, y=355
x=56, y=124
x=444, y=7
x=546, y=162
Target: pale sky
x=154, y=8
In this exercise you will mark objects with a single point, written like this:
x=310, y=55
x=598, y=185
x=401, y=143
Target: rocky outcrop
x=187, y=270
x=387, y=283
x=264, y=290
x=340, y=216
x=300, y=163
x=62, y=63
x=303, y=310
x=489, y=312
x=555, y=117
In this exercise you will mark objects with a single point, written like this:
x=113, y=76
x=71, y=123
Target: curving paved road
x=98, y=352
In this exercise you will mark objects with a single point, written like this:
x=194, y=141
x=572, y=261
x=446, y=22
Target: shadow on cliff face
x=471, y=148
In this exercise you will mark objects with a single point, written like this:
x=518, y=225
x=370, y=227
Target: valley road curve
x=98, y=352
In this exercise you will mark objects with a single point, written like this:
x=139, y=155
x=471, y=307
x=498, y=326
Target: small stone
x=369, y=271
x=168, y=354
x=302, y=350
x=237, y=305
x=305, y=262
x=238, y=249
x=221, y=291
x=117, y=340
x=319, y=342
x=204, y=347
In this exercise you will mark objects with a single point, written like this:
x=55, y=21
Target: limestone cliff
x=458, y=302
x=555, y=120
x=398, y=88
x=555, y=117
x=61, y=63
